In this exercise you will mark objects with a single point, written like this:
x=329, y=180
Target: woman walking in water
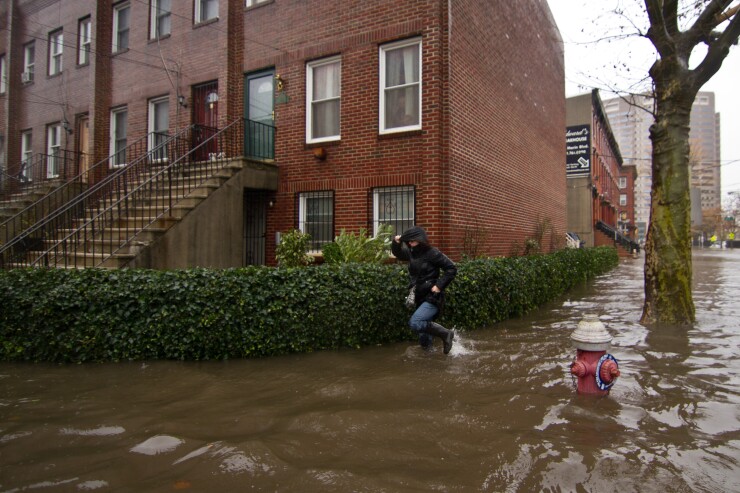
x=425, y=264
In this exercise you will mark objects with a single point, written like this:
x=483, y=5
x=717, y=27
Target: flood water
x=500, y=413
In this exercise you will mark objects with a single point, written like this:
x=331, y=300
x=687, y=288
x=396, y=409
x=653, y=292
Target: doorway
x=205, y=118
x=255, y=226
x=259, y=114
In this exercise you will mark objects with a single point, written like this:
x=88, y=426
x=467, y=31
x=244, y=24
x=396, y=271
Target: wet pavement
x=500, y=413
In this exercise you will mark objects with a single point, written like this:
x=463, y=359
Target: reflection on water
x=498, y=414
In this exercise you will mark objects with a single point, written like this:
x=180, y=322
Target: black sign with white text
x=577, y=151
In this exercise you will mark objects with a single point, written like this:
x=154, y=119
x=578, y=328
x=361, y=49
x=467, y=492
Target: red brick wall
x=490, y=155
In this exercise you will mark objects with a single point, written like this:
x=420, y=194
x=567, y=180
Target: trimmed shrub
x=202, y=314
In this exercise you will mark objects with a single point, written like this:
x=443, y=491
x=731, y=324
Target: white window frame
x=303, y=199
x=201, y=13
x=3, y=74
x=622, y=182
x=84, y=40
x=26, y=154
x=56, y=52
x=29, y=59
x=155, y=106
x=379, y=193
x=384, y=50
x=118, y=29
x=622, y=199
x=53, y=148
x=157, y=14
x=310, y=102
x=253, y=3
x=114, y=137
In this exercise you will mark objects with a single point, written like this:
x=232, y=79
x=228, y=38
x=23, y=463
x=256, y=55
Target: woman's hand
x=435, y=289
x=397, y=238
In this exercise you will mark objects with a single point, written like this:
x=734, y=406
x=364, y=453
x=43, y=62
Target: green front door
x=259, y=127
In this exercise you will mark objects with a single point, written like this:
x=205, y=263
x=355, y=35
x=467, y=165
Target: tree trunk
x=668, y=296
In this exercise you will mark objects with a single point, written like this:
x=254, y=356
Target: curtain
x=325, y=100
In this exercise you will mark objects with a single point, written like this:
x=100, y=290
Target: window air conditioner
x=27, y=77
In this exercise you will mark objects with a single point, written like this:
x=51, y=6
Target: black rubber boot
x=446, y=335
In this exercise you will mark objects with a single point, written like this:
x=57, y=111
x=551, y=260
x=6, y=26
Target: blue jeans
x=425, y=313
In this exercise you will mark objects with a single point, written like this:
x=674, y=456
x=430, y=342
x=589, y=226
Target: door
x=83, y=147
x=255, y=226
x=259, y=115
x=205, y=117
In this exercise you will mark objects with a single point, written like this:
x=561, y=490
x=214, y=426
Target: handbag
x=411, y=298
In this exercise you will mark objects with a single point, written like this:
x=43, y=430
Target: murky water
x=498, y=414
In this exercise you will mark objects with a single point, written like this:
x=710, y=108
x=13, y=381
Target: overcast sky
x=622, y=64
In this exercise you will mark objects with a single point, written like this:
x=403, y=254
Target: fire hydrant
x=595, y=369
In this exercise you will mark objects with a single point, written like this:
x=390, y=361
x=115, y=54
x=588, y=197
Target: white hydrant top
x=591, y=335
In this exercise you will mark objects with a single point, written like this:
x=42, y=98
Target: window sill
x=401, y=133
x=116, y=53
x=258, y=5
x=205, y=23
x=160, y=38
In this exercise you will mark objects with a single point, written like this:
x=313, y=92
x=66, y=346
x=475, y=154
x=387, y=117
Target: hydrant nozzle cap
x=591, y=335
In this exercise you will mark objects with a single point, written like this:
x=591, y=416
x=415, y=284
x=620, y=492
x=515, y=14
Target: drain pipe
x=595, y=370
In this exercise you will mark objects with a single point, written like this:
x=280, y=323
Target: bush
x=201, y=314
x=351, y=247
x=291, y=251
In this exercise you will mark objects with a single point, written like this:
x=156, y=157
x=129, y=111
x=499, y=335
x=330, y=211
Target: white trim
x=154, y=104
x=84, y=40
x=113, y=150
x=309, y=99
x=117, y=9
x=27, y=153
x=3, y=74
x=56, y=52
x=154, y=19
x=382, y=84
x=53, y=146
x=199, y=11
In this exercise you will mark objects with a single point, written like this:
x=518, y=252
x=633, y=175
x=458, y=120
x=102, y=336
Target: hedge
x=204, y=314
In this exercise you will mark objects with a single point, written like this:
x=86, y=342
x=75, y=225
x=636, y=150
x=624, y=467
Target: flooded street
x=500, y=413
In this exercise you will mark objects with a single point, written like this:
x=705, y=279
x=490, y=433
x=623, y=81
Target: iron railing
x=104, y=220
x=33, y=173
x=617, y=236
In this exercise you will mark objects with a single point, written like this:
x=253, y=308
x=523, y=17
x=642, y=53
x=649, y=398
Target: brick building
x=600, y=188
x=442, y=113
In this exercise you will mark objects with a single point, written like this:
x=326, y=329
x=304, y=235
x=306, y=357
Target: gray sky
x=592, y=65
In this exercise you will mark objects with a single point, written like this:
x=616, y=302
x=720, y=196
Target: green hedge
x=199, y=314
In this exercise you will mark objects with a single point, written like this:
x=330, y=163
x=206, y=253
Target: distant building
x=630, y=121
x=600, y=187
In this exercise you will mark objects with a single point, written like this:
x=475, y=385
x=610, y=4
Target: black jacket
x=425, y=264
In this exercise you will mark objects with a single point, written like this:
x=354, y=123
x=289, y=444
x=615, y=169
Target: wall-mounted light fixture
x=320, y=153
x=66, y=126
x=279, y=82
x=271, y=203
x=181, y=101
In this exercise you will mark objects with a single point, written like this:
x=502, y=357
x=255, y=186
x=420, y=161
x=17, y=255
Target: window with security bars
x=316, y=217
x=394, y=206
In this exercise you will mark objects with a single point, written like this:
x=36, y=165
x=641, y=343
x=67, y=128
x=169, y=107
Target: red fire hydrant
x=595, y=369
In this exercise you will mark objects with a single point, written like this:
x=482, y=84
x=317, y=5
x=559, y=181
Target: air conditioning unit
x=27, y=77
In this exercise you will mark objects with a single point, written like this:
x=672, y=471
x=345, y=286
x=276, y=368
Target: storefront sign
x=578, y=151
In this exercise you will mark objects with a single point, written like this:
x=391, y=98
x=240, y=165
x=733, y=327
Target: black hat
x=415, y=233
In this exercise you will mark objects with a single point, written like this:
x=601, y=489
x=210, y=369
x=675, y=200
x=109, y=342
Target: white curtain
x=325, y=100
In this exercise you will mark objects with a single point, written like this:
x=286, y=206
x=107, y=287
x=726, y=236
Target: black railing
x=617, y=236
x=259, y=140
x=33, y=173
x=103, y=222
x=22, y=225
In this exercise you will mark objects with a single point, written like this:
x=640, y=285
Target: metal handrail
x=109, y=218
x=25, y=229
x=34, y=172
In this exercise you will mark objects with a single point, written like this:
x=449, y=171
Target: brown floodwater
x=500, y=413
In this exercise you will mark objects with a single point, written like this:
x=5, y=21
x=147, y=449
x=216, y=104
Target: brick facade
x=487, y=163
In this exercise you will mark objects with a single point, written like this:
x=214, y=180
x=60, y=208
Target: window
x=323, y=90
x=53, y=149
x=159, y=23
x=29, y=55
x=622, y=182
x=84, y=38
x=56, y=46
x=159, y=123
x=622, y=199
x=252, y=3
x=118, y=130
x=26, y=156
x=394, y=206
x=206, y=10
x=121, y=26
x=400, y=86
x=316, y=217
x=3, y=74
